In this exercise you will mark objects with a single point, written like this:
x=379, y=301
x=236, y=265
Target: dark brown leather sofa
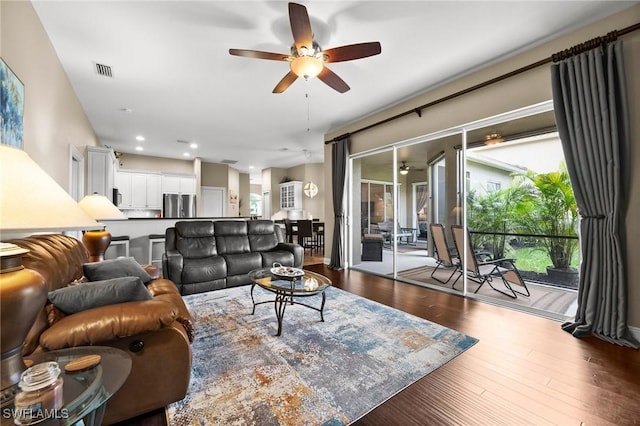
x=210, y=255
x=156, y=333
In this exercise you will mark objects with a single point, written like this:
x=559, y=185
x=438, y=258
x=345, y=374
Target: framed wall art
x=11, y=107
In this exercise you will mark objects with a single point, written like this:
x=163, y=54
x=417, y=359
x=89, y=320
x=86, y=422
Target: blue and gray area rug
x=316, y=373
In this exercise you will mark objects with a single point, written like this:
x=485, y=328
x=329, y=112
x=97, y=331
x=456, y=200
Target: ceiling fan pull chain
x=308, y=109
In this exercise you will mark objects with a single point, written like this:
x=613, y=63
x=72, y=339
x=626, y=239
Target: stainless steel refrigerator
x=178, y=205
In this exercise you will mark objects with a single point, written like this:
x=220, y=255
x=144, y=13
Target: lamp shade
x=30, y=200
x=100, y=208
x=306, y=66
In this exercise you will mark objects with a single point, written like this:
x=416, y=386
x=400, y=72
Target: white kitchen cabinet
x=187, y=184
x=170, y=184
x=291, y=195
x=140, y=190
x=123, y=183
x=154, y=191
x=178, y=184
x=101, y=167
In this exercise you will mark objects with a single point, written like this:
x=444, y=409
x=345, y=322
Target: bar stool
x=155, y=239
x=121, y=240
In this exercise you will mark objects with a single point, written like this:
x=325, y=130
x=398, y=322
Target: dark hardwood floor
x=524, y=370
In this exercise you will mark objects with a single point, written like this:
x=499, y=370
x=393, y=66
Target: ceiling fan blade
x=300, y=26
x=257, y=54
x=353, y=51
x=286, y=81
x=332, y=80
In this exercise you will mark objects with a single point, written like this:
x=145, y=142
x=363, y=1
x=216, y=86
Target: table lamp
x=100, y=208
x=30, y=201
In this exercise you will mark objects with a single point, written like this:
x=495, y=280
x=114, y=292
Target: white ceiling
x=172, y=69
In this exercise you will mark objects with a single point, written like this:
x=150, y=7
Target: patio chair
x=486, y=271
x=406, y=234
x=445, y=257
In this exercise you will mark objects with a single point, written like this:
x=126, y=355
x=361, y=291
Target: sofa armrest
x=295, y=249
x=106, y=323
x=172, y=264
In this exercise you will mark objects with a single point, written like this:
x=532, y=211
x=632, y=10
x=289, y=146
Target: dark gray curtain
x=339, y=157
x=591, y=112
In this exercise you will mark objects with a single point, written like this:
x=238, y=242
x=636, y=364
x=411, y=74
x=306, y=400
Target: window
x=493, y=186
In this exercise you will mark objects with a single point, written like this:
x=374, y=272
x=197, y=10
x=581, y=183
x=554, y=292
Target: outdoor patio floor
x=415, y=266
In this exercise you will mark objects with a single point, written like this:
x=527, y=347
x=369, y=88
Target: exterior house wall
x=483, y=175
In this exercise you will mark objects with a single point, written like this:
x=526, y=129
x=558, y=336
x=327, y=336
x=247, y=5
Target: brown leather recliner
x=156, y=333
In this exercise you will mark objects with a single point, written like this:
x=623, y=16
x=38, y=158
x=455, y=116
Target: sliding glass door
x=485, y=176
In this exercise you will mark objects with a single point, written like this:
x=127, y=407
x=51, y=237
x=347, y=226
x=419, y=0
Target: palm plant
x=493, y=212
x=550, y=209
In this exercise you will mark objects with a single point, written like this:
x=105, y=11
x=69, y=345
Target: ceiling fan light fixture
x=306, y=66
x=493, y=139
x=310, y=189
x=404, y=169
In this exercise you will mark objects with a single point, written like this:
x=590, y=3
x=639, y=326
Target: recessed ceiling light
x=186, y=154
x=127, y=110
x=139, y=148
x=193, y=145
x=251, y=167
x=140, y=138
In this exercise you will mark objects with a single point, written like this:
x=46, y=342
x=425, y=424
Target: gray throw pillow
x=92, y=294
x=115, y=268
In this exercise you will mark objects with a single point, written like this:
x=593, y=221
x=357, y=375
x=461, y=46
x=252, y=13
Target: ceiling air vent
x=229, y=161
x=104, y=70
x=182, y=141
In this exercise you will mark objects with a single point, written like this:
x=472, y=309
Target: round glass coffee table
x=287, y=290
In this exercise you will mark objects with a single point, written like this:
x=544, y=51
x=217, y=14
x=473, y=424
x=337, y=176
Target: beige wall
x=233, y=202
x=254, y=188
x=214, y=174
x=53, y=116
x=156, y=164
x=304, y=173
x=245, y=190
x=315, y=173
x=520, y=91
x=275, y=177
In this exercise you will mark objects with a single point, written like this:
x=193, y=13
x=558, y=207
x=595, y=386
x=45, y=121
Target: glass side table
x=85, y=392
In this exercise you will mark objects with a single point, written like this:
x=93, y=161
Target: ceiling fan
x=307, y=59
x=404, y=169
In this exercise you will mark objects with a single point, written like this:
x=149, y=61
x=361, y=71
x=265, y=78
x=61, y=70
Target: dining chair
x=306, y=237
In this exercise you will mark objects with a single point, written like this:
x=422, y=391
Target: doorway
x=266, y=205
x=213, y=201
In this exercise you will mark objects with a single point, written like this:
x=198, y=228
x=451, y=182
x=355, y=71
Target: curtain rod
x=555, y=57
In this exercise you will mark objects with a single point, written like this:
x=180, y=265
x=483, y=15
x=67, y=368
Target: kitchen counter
x=139, y=229
x=186, y=218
